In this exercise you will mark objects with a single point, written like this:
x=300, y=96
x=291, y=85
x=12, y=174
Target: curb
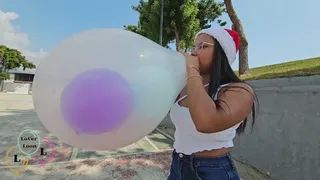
x=74, y=154
x=165, y=134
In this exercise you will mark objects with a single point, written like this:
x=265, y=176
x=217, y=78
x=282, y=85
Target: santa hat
x=228, y=39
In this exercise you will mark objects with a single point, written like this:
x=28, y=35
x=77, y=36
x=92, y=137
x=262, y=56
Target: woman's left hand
x=191, y=61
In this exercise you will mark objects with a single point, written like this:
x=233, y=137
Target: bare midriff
x=213, y=153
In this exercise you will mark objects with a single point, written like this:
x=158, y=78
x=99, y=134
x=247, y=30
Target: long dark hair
x=222, y=73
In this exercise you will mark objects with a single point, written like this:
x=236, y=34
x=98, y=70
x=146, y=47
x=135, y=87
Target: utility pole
x=161, y=22
x=161, y=36
x=2, y=71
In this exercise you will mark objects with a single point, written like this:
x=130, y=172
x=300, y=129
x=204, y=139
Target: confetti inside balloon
x=106, y=88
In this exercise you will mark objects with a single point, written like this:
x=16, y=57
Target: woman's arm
x=207, y=117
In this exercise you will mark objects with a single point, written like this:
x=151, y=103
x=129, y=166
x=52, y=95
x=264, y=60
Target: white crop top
x=188, y=140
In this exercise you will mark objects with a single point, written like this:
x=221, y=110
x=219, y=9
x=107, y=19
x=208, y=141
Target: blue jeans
x=189, y=167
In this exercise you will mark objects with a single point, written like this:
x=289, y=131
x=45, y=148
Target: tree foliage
x=11, y=59
x=209, y=11
x=182, y=19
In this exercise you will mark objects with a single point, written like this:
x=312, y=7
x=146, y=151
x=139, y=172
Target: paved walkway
x=17, y=114
x=131, y=162
x=144, y=166
x=148, y=158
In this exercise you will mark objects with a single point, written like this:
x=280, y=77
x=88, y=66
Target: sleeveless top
x=188, y=140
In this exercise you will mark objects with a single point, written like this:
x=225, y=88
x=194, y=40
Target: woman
x=210, y=110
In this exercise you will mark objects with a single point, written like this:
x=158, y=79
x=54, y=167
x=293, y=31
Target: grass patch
x=306, y=67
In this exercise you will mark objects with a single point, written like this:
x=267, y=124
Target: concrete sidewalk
x=141, y=166
x=147, y=159
x=130, y=165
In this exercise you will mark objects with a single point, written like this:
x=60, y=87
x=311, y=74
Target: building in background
x=20, y=81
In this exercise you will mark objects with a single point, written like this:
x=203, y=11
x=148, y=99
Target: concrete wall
x=10, y=86
x=285, y=141
x=18, y=88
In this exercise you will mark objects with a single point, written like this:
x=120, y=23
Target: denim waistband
x=219, y=161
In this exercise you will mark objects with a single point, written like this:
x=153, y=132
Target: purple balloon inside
x=96, y=101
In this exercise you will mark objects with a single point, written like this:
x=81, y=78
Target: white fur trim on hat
x=225, y=40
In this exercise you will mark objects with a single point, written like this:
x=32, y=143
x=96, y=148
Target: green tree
x=11, y=59
x=210, y=11
x=182, y=19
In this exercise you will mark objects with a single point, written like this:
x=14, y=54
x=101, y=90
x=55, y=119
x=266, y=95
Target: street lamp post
x=161, y=36
x=161, y=22
x=2, y=71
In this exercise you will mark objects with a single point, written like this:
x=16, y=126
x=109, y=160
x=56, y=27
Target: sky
x=277, y=31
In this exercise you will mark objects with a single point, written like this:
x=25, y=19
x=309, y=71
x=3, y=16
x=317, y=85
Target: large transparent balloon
x=106, y=88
